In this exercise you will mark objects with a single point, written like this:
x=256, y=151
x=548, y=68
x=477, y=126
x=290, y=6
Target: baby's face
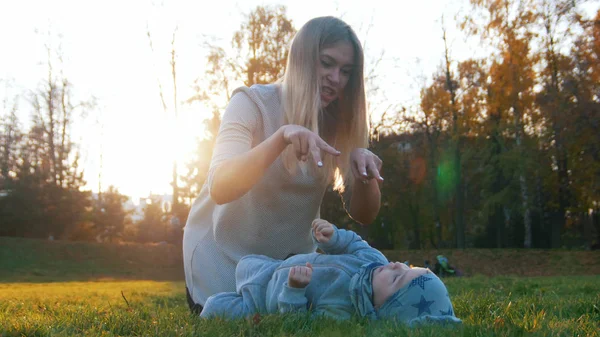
x=390, y=278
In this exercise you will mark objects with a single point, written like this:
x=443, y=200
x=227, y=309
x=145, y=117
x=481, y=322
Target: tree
x=173, y=65
x=554, y=102
x=258, y=56
x=431, y=122
x=451, y=87
x=109, y=215
x=45, y=195
x=508, y=26
x=263, y=43
x=405, y=190
x=574, y=117
x=449, y=105
x=10, y=137
x=153, y=226
x=260, y=49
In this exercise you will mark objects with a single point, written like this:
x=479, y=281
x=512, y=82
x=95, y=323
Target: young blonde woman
x=278, y=148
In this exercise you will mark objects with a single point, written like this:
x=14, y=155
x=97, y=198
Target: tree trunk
x=50, y=127
x=414, y=212
x=557, y=112
x=526, y=212
x=540, y=202
x=518, y=113
x=506, y=211
x=175, y=200
x=498, y=226
x=522, y=180
x=458, y=200
x=435, y=199
x=563, y=193
x=595, y=222
x=587, y=228
x=558, y=219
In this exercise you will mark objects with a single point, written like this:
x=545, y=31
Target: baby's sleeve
x=292, y=299
x=347, y=242
x=250, y=300
x=236, y=133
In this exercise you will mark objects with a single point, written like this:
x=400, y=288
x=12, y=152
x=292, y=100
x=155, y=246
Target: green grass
x=36, y=260
x=66, y=288
x=503, y=306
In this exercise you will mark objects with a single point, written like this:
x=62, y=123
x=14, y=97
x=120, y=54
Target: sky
x=106, y=55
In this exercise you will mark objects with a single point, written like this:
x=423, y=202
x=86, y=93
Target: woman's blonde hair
x=301, y=94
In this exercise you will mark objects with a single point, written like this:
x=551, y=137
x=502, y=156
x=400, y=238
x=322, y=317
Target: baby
x=350, y=278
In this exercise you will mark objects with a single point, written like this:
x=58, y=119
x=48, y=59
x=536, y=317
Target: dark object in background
x=443, y=268
x=427, y=265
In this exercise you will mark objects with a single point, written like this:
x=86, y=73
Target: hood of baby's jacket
x=361, y=290
x=425, y=300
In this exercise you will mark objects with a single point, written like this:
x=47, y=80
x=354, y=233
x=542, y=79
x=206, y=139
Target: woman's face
x=334, y=69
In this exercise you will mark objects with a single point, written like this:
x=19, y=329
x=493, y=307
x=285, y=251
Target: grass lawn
x=501, y=306
x=74, y=288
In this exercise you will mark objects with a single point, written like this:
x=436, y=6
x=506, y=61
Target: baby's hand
x=323, y=230
x=299, y=276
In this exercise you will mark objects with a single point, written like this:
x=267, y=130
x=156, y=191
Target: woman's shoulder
x=265, y=96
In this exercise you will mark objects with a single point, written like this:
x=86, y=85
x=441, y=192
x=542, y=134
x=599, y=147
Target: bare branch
x=160, y=89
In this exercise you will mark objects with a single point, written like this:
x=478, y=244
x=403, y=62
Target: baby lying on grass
x=350, y=278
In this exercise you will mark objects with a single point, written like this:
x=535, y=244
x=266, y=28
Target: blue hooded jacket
x=340, y=286
x=261, y=282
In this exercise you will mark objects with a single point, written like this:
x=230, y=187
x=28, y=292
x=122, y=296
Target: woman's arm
x=235, y=176
x=365, y=201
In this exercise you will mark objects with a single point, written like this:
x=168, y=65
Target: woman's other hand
x=365, y=165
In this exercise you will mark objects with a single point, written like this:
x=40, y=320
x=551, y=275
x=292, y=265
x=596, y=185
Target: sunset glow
x=106, y=54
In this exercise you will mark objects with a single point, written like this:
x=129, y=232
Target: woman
x=278, y=148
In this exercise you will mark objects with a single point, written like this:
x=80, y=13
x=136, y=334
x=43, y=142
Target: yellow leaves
x=435, y=99
x=469, y=88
